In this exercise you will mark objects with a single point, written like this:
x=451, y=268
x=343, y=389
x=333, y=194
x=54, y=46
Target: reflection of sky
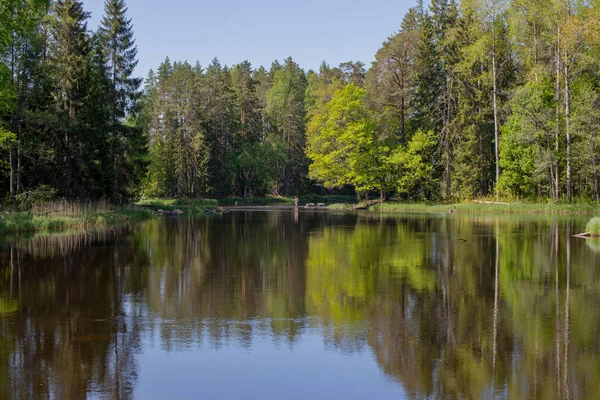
x=266, y=370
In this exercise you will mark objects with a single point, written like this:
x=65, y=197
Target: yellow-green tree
x=343, y=144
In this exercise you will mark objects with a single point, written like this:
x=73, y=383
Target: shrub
x=593, y=226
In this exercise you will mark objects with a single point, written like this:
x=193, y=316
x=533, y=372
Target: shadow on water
x=450, y=307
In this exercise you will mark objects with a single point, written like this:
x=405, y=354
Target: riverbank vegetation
x=468, y=99
x=475, y=208
x=61, y=215
x=593, y=227
x=204, y=204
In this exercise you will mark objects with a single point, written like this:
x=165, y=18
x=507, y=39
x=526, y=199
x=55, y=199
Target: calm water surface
x=297, y=305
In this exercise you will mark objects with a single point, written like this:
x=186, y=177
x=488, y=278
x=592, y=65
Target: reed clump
x=59, y=215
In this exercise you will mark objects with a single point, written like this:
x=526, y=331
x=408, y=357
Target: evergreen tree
x=120, y=52
x=69, y=51
x=285, y=107
x=116, y=32
x=427, y=80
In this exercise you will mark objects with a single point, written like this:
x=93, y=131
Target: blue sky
x=259, y=31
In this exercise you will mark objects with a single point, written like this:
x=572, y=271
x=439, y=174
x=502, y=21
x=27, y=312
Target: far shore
x=78, y=216
x=482, y=208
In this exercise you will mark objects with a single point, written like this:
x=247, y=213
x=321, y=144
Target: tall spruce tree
x=427, y=80
x=69, y=51
x=120, y=52
x=116, y=32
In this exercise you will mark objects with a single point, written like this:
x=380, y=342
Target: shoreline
x=28, y=222
x=579, y=209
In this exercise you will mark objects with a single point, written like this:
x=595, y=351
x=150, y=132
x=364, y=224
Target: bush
x=593, y=226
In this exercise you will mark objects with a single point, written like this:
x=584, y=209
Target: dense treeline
x=469, y=98
x=68, y=102
x=221, y=131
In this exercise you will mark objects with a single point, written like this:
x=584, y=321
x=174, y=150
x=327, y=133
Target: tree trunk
x=287, y=171
x=67, y=165
x=447, y=170
x=13, y=150
x=19, y=159
x=13, y=175
x=595, y=166
x=402, y=121
x=495, y=101
x=568, y=130
x=557, y=98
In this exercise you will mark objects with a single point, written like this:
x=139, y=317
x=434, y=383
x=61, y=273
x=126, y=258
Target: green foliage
x=7, y=138
x=390, y=81
x=593, y=226
x=46, y=217
x=72, y=116
x=55, y=99
x=342, y=143
x=526, y=155
x=414, y=167
x=286, y=110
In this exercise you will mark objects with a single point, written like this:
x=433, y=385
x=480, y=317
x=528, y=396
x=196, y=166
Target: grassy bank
x=477, y=208
x=58, y=216
x=201, y=205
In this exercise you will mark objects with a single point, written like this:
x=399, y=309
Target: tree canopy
x=468, y=98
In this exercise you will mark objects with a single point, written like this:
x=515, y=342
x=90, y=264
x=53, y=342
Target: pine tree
x=390, y=81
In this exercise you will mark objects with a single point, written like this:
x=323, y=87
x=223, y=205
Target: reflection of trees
x=61, y=343
x=463, y=307
x=452, y=307
x=208, y=273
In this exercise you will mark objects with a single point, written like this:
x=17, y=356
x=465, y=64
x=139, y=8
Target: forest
x=468, y=99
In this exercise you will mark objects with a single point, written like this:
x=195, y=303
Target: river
x=304, y=304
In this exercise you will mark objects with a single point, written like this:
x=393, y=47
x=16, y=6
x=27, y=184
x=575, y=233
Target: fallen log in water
x=365, y=205
x=584, y=235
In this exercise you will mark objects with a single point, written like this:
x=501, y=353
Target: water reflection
x=449, y=307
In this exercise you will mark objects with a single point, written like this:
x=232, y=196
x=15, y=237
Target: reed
x=63, y=214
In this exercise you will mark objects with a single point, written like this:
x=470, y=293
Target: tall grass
x=593, y=227
x=63, y=214
x=476, y=208
x=70, y=208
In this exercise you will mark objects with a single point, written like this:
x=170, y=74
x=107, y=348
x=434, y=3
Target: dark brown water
x=304, y=305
